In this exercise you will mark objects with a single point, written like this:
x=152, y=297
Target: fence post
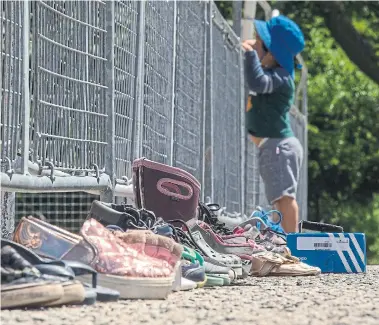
x=237, y=16
x=139, y=82
x=25, y=90
x=110, y=163
x=211, y=97
x=243, y=135
x=305, y=163
x=171, y=159
x=203, y=122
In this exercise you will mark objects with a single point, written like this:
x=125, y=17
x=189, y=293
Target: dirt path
x=323, y=300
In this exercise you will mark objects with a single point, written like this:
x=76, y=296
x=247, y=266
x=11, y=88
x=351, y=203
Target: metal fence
x=88, y=86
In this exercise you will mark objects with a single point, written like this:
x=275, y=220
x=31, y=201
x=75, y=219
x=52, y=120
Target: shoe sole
x=187, y=285
x=224, y=277
x=309, y=273
x=202, y=284
x=213, y=281
x=30, y=294
x=238, y=270
x=73, y=293
x=135, y=288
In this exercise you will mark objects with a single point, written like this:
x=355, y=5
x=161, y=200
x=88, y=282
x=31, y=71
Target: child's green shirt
x=267, y=112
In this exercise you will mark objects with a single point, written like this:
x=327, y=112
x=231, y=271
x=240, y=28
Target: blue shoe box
x=331, y=252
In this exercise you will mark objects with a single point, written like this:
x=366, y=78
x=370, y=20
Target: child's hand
x=249, y=44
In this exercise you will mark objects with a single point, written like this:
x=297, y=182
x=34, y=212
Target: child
x=270, y=63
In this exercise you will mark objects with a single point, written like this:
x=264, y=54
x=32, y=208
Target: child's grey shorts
x=279, y=165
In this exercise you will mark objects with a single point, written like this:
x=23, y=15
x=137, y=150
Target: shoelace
x=185, y=238
x=272, y=231
x=265, y=216
x=208, y=216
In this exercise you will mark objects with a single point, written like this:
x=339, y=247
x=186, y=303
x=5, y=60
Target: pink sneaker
x=153, y=245
x=117, y=258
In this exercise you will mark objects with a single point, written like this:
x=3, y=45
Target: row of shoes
x=168, y=242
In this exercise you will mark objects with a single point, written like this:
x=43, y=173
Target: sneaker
x=23, y=285
x=194, y=272
x=119, y=266
x=267, y=221
x=187, y=285
x=242, y=249
x=146, y=242
x=121, y=215
x=137, y=276
x=215, y=268
x=196, y=239
x=214, y=281
x=262, y=238
x=262, y=261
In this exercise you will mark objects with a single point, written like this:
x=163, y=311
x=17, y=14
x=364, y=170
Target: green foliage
x=226, y=8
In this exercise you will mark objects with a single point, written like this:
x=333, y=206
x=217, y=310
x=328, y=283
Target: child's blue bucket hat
x=283, y=38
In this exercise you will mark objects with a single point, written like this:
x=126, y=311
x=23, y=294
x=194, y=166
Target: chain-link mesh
x=233, y=144
x=125, y=51
x=218, y=120
x=66, y=210
x=252, y=177
x=69, y=111
x=11, y=81
x=226, y=119
x=189, y=86
x=158, y=80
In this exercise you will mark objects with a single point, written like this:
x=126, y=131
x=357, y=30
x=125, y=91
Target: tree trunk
x=355, y=46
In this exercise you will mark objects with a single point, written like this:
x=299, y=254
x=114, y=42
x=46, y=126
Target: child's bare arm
x=263, y=81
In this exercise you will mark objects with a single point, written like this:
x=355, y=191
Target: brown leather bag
x=170, y=192
x=53, y=242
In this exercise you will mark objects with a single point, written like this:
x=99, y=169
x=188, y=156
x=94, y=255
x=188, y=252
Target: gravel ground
x=324, y=300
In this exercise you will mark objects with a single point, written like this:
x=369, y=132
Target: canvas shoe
x=119, y=266
x=153, y=245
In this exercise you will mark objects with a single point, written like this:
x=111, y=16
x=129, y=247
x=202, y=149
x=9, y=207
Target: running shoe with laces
x=194, y=272
x=195, y=241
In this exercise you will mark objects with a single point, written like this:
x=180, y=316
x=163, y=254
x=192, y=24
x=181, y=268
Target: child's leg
x=290, y=212
x=279, y=165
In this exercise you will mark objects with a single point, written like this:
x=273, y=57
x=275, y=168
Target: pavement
x=328, y=299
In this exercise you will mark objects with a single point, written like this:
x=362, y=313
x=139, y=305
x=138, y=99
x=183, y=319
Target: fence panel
x=11, y=81
x=66, y=210
x=218, y=117
x=125, y=51
x=158, y=80
x=189, y=86
x=177, y=79
x=69, y=111
x=226, y=91
x=252, y=178
x=233, y=141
